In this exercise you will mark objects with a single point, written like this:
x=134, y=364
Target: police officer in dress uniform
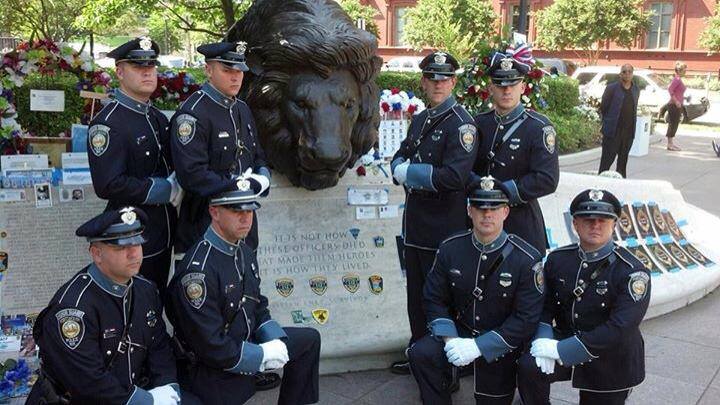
x=102, y=337
x=597, y=295
x=518, y=148
x=483, y=300
x=222, y=320
x=214, y=142
x=433, y=164
x=129, y=154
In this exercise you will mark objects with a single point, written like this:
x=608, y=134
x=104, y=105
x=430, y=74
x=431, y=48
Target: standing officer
x=129, y=154
x=221, y=318
x=518, y=148
x=433, y=164
x=214, y=142
x=597, y=295
x=483, y=300
x=102, y=337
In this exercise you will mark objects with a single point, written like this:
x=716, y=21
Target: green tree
x=456, y=26
x=586, y=25
x=357, y=11
x=33, y=19
x=710, y=37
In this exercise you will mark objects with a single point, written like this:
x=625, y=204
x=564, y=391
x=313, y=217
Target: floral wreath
x=47, y=58
x=399, y=104
x=473, y=83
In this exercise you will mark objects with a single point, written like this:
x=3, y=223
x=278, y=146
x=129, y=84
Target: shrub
x=562, y=94
x=575, y=130
x=407, y=81
x=43, y=123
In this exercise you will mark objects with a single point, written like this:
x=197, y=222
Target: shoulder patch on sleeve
x=99, y=139
x=467, y=135
x=539, y=277
x=549, y=138
x=195, y=290
x=71, y=326
x=638, y=285
x=185, y=128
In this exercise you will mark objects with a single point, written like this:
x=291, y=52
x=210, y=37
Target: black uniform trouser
x=534, y=385
x=619, y=145
x=299, y=383
x=418, y=263
x=432, y=371
x=157, y=269
x=674, y=117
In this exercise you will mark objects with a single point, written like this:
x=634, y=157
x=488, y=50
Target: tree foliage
x=356, y=10
x=584, y=25
x=456, y=26
x=34, y=19
x=710, y=37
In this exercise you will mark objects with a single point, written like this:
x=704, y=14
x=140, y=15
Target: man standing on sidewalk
x=433, y=164
x=619, y=113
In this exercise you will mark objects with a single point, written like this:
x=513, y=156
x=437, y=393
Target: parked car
x=653, y=90
x=403, y=64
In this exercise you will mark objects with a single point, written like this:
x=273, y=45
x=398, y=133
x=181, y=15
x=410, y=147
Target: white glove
x=249, y=175
x=164, y=395
x=544, y=347
x=176, y=192
x=461, y=351
x=274, y=352
x=545, y=364
x=400, y=173
x=273, y=365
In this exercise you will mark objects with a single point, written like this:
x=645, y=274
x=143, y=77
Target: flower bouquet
x=172, y=89
x=396, y=104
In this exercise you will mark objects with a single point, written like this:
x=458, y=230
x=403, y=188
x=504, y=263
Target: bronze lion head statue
x=311, y=87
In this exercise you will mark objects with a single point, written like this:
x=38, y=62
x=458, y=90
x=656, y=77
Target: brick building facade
x=674, y=34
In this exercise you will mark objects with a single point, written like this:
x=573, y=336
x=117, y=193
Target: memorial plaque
x=658, y=221
x=625, y=226
x=675, y=231
x=642, y=254
x=642, y=220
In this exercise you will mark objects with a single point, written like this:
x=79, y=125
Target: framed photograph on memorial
x=642, y=220
x=625, y=226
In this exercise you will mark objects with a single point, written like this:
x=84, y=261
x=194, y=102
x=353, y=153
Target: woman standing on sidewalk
x=675, y=105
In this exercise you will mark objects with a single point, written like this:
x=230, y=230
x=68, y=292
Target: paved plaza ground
x=682, y=348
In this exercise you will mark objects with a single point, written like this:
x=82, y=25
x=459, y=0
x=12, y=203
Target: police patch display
x=637, y=285
x=376, y=283
x=99, y=139
x=318, y=284
x=72, y=326
x=539, y=277
x=195, y=289
x=321, y=315
x=185, y=128
x=351, y=282
x=467, y=134
x=284, y=286
x=549, y=138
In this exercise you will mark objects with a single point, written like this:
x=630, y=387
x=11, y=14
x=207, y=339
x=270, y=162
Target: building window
x=659, y=33
x=399, y=26
x=515, y=12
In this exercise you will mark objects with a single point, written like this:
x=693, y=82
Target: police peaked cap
x=439, y=66
x=230, y=53
x=123, y=227
x=243, y=199
x=504, y=70
x=141, y=51
x=487, y=192
x=595, y=203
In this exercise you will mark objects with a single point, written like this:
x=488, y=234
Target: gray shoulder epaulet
x=523, y=245
x=197, y=260
x=105, y=112
x=462, y=113
x=629, y=258
x=75, y=289
x=456, y=235
x=538, y=117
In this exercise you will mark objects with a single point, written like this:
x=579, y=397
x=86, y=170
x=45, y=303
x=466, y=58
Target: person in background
x=675, y=105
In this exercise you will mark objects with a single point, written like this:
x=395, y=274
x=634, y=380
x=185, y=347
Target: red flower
x=484, y=94
x=361, y=171
x=486, y=61
x=471, y=90
x=385, y=106
x=394, y=90
x=535, y=74
x=527, y=91
x=411, y=109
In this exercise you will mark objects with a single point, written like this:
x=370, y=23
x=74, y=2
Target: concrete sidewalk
x=682, y=348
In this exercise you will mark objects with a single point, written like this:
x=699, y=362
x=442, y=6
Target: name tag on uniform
x=110, y=333
x=223, y=134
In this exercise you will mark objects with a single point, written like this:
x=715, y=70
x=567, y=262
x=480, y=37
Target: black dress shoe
x=266, y=381
x=400, y=367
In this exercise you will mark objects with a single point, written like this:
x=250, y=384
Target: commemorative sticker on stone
x=318, y=284
x=284, y=286
x=351, y=282
x=376, y=284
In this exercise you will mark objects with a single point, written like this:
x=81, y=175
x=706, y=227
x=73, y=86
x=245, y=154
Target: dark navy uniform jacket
x=493, y=293
x=214, y=140
x=519, y=150
x=80, y=330
x=216, y=307
x=598, y=324
x=129, y=155
x=441, y=145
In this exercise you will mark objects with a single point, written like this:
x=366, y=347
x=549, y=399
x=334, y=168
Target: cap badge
x=487, y=183
x=128, y=216
x=506, y=64
x=145, y=43
x=595, y=195
x=241, y=47
x=440, y=58
x=243, y=185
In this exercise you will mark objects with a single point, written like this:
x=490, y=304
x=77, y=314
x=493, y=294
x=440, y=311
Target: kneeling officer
x=102, y=337
x=222, y=323
x=483, y=299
